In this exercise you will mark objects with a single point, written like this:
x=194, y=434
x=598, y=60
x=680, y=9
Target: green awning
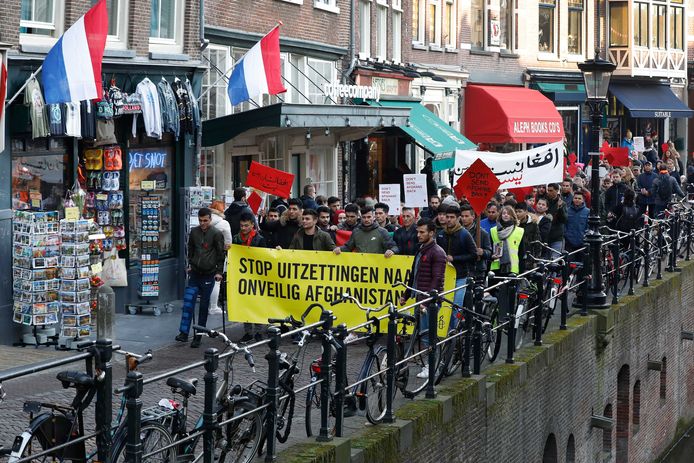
x=431, y=133
x=562, y=92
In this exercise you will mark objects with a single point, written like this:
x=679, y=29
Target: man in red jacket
x=428, y=272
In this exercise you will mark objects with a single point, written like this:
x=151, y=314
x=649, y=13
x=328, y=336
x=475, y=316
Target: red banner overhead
x=273, y=181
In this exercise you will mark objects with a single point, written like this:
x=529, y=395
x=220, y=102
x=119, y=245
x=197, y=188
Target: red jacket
x=429, y=272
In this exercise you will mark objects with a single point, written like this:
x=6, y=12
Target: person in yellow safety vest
x=507, y=239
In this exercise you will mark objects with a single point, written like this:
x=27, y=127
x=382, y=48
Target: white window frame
x=381, y=30
x=175, y=45
x=210, y=77
x=315, y=63
x=421, y=23
x=396, y=33
x=327, y=5
x=436, y=42
x=453, y=30
x=582, y=44
x=364, y=29
x=120, y=40
x=552, y=55
x=56, y=26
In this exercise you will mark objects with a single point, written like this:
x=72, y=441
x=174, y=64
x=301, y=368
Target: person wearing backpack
x=644, y=185
x=664, y=186
x=627, y=215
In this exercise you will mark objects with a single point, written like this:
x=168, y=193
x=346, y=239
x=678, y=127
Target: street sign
x=478, y=184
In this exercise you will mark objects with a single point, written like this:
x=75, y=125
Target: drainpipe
x=350, y=52
x=347, y=145
x=201, y=19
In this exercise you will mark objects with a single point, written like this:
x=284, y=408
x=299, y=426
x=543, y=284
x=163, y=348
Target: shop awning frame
x=347, y=122
x=562, y=93
x=650, y=101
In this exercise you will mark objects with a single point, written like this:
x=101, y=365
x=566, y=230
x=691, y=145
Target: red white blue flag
x=72, y=69
x=259, y=71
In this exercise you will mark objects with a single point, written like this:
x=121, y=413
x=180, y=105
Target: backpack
x=664, y=187
x=628, y=220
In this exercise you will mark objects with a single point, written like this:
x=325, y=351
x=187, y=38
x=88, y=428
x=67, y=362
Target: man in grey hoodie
x=368, y=237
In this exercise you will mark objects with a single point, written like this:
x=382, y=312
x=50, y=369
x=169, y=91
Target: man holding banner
x=284, y=229
x=368, y=237
x=310, y=237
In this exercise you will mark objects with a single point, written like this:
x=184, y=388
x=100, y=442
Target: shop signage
x=269, y=180
x=662, y=114
x=390, y=194
x=336, y=90
x=536, y=128
x=415, y=190
x=386, y=85
x=147, y=160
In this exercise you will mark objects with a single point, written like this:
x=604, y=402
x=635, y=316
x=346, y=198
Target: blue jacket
x=461, y=246
x=576, y=225
x=487, y=224
x=645, y=180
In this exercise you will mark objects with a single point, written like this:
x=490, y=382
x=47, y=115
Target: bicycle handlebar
x=290, y=320
x=348, y=297
x=233, y=346
x=545, y=246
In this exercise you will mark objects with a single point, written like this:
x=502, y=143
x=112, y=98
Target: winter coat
x=406, y=240
x=481, y=266
x=308, y=202
x=556, y=230
x=372, y=240
x=321, y=241
x=428, y=270
x=220, y=223
x=206, y=251
x=531, y=233
x=576, y=225
x=257, y=242
x=614, y=195
x=345, y=226
x=674, y=186
x=233, y=215
x=645, y=180
x=487, y=224
x=283, y=230
x=461, y=246
x=544, y=224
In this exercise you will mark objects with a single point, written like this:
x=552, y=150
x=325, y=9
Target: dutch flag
x=72, y=69
x=259, y=71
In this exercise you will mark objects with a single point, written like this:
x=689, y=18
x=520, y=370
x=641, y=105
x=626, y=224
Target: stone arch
x=607, y=435
x=636, y=408
x=550, y=454
x=571, y=450
x=623, y=406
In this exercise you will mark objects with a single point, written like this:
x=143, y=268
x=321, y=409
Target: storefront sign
x=269, y=180
x=336, y=90
x=147, y=159
x=390, y=194
x=415, y=190
x=537, y=128
x=267, y=283
x=662, y=114
x=537, y=166
x=386, y=85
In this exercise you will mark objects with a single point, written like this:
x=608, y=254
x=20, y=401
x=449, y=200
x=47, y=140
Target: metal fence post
x=585, y=276
x=389, y=417
x=133, y=447
x=646, y=255
x=433, y=310
x=272, y=394
x=209, y=417
x=659, y=275
x=614, y=249
x=511, y=320
x=341, y=378
x=467, y=347
x=632, y=258
x=104, y=399
x=565, y=275
x=539, y=276
x=672, y=257
x=688, y=222
x=477, y=337
x=324, y=434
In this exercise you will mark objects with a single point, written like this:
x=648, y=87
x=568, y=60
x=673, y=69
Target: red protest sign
x=342, y=236
x=478, y=184
x=273, y=181
x=616, y=156
x=254, y=200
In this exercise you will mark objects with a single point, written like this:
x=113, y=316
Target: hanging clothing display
x=56, y=120
x=88, y=120
x=194, y=105
x=37, y=109
x=151, y=111
x=169, y=108
x=72, y=120
x=184, y=105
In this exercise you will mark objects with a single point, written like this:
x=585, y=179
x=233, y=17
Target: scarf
x=451, y=232
x=504, y=230
x=246, y=241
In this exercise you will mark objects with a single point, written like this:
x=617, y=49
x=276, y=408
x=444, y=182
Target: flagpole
x=14, y=97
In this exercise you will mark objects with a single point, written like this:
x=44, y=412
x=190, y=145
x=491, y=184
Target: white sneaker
x=424, y=374
x=351, y=337
x=215, y=310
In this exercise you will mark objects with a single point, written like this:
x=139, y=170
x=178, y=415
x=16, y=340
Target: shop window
x=677, y=28
x=321, y=170
x=434, y=23
x=641, y=24
x=319, y=72
x=547, y=10
x=166, y=26
x=658, y=35
x=215, y=100
x=381, y=31
x=151, y=162
x=117, y=24
x=365, y=28
x=619, y=24
x=397, y=36
x=508, y=18
x=40, y=20
x=575, y=29
x=477, y=21
x=449, y=22
x=208, y=167
x=41, y=174
x=418, y=21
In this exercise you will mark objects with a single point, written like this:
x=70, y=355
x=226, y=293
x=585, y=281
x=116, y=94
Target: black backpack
x=629, y=218
x=664, y=187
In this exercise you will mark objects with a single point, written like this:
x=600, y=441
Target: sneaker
x=246, y=337
x=424, y=374
x=196, y=341
x=182, y=337
x=351, y=337
x=215, y=311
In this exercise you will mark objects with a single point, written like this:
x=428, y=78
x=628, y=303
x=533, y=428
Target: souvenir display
x=75, y=273
x=149, y=247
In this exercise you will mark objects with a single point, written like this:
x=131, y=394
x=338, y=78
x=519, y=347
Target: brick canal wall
x=627, y=362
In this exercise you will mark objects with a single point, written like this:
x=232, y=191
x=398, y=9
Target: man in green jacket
x=368, y=237
x=310, y=237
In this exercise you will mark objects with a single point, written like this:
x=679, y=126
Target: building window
x=619, y=24
x=677, y=28
x=215, y=101
x=381, y=31
x=41, y=169
x=365, y=28
x=321, y=170
x=547, y=10
x=117, y=23
x=575, y=38
x=319, y=72
x=327, y=5
x=166, y=26
x=641, y=24
x=477, y=21
x=41, y=18
x=658, y=35
x=508, y=18
x=397, y=36
x=207, y=167
x=449, y=23
x=418, y=21
x=434, y=22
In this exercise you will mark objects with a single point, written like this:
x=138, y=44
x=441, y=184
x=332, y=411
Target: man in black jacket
x=206, y=255
x=284, y=229
x=236, y=208
x=406, y=236
x=557, y=209
x=484, y=251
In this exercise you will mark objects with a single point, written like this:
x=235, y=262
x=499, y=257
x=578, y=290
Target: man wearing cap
x=644, y=183
x=664, y=186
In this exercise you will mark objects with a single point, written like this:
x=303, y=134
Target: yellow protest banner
x=268, y=283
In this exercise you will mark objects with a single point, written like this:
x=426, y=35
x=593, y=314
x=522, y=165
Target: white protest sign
x=536, y=166
x=415, y=190
x=638, y=144
x=390, y=194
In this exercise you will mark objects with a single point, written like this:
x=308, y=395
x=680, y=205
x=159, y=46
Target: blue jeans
x=205, y=284
x=459, y=300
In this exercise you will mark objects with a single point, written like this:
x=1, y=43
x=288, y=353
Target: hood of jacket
x=373, y=226
x=284, y=219
x=236, y=207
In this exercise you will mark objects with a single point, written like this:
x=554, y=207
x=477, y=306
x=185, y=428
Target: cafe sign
x=336, y=90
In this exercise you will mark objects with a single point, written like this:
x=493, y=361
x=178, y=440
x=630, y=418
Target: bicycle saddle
x=75, y=378
x=181, y=385
x=489, y=299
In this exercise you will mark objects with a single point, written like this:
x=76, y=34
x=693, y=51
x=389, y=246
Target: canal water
x=683, y=451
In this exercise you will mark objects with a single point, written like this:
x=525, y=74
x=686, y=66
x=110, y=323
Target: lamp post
x=596, y=75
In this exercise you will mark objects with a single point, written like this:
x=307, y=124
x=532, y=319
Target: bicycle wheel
x=242, y=436
x=313, y=410
x=495, y=336
x=551, y=296
x=418, y=366
x=154, y=438
x=451, y=357
x=522, y=324
x=374, y=389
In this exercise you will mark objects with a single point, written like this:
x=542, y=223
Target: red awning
x=495, y=114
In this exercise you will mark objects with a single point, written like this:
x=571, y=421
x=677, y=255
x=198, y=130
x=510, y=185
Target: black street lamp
x=596, y=75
